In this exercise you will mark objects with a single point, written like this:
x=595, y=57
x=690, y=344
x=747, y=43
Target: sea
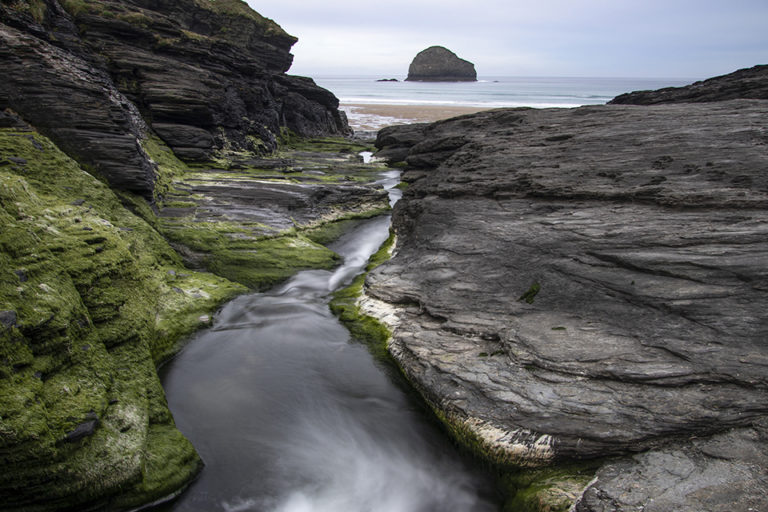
x=489, y=92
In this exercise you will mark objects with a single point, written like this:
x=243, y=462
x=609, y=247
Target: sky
x=600, y=38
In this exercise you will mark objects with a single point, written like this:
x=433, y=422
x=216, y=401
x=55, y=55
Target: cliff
x=588, y=284
x=98, y=100
x=439, y=64
x=207, y=76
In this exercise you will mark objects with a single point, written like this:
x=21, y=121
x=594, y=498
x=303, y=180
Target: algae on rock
x=258, y=220
x=95, y=299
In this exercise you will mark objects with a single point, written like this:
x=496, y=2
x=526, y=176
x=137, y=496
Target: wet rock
x=85, y=429
x=439, y=64
x=645, y=231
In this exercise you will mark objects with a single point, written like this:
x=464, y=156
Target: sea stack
x=439, y=64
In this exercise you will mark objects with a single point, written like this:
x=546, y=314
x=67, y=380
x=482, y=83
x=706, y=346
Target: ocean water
x=491, y=92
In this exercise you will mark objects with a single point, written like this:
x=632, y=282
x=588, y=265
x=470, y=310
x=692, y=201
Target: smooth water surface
x=291, y=415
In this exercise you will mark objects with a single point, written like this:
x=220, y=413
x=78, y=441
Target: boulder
x=439, y=64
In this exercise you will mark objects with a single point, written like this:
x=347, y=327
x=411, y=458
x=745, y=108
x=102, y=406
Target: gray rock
x=204, y=78
x=724, y=473
x=751, y=83
x=82, y=430
x=8, y=319
x=439, y=64
x=645, y=229
x=76, y=106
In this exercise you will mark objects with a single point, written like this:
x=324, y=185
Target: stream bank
x=291, y=414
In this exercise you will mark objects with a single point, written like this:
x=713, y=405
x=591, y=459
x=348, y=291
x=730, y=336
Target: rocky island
x=584, y=291
x=439, y=64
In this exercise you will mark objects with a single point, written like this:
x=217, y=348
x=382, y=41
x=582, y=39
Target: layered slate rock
x=77, y=106
x=209, y=77
x=572, y=284
x=439, y=64
x=750, y=83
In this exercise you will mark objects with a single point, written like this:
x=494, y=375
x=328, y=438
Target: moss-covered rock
x=93, y=298
x=259, y=220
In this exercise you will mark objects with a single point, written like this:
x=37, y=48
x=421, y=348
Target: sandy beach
x=374, y=117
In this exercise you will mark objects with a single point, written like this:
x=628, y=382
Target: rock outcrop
x=439, y=64
x=207, y=76
x=92, y=294
x=750, y=83
x=91, y=299
x=591, y=282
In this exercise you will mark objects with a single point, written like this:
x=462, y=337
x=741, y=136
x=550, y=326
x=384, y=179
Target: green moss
x=323, y=144
x=530, y=294
x=170, y=464
x=364, y=328
x=94, y=293
x=384, y=253
x=168, y=165
x=328, y=232
x=270, y=261
x=551, y=489
x=36, y=8
x=75, y=7
x=135, y=18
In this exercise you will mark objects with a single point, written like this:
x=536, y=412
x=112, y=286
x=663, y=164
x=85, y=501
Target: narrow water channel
x=291, y=415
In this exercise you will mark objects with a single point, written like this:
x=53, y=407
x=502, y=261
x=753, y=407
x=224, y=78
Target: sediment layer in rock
x=207, y=77
x=578, y=283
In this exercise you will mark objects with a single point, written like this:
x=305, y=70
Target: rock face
x=574, y=284
x=88, y=307
x=438, y=64
x=751, y=83
x=207, y=76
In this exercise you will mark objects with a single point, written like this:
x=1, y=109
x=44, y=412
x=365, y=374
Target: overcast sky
x=617, y=38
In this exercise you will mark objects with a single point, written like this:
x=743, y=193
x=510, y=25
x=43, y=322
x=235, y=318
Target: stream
x=290, y=414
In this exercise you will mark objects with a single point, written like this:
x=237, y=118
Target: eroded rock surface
x=207, y=76
x=572, y=284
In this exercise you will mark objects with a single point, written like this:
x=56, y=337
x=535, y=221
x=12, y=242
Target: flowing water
x=291, y=415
